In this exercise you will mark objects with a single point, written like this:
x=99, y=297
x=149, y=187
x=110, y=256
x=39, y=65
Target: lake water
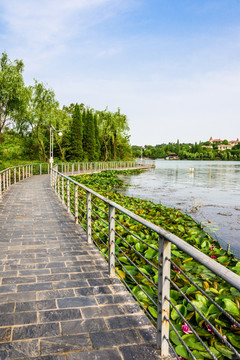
x=210, y=194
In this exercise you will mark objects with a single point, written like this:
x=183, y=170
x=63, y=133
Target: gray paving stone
x=107, y=354
x=92, y=290
x=55, y=277
x=35, y=305
x=65, y=343
x=70, y=284
x=35, y=287
x=36, y=331
x=18, y=318
x=51, y=357
x=76, y=302
x=140, y=352
x=131, y=321
x=102, y=311
x=18, y=297
x=58, y=294
x=19, y=280
x=148, y=334
x=19, y=349
x=5, y=334
x=59, y=315
x=86, y=275
x=6, y=308
x=118, y=337
x=8, y=289
x=83, y=326
x=114, y=299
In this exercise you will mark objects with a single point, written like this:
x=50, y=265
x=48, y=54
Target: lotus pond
x=129, y=253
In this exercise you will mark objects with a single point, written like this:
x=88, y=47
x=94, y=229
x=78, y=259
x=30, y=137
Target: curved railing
x=148, y=271
x=14, y=174
x=155, y=280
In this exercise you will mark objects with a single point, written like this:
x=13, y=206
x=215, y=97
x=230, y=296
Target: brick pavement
x=57, y=301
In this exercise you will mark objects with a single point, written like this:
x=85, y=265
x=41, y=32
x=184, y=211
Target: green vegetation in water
x=106, y=184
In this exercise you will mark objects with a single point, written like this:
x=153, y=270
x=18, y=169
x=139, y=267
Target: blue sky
x=172, y=66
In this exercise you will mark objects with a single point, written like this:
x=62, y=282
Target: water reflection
x=212, y=188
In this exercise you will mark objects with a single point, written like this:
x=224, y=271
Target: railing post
x=111, y=241
x=23, y=172
x=63, y=202
x=68, y=196
x=7, y=178
x=55, y=182
x=4, y=181
x=40, y=169
x=89, y=220
x=58, y=185
x=164, y=268
x=62, y=167
x=72, y=168
x=15, y=176
x=76, y=203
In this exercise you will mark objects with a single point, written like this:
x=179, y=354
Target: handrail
x=85, y=205
x=205, y=260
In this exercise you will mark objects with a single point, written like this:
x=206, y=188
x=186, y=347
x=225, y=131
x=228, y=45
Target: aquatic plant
x=129, y=252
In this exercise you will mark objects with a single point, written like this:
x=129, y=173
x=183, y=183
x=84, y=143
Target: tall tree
x=40, y=112
x=77, y=134
x=89, y=135
x=13, y=93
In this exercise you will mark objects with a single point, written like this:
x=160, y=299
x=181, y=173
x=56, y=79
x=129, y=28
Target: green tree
x=76, y=134
x=40, y=112
x=13, y=92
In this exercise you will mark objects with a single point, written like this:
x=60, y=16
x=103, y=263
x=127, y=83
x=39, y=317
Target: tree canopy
x=26, y=113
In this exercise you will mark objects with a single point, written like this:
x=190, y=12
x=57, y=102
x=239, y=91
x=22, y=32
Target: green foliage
x=12, y=90
x=196, y=151
x=88, y=134
x=107, y=183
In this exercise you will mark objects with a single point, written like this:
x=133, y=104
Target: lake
x=209, y=191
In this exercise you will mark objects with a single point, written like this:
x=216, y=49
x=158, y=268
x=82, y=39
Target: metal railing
x=191, y=299
x=86, y=167
x=14, y=174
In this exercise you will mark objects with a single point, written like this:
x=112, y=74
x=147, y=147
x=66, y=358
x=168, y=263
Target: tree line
x=28, y=112
x=195, y=151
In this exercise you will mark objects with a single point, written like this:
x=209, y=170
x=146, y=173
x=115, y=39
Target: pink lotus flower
x=176, y=269
x=209, y=221
x=181, y=358
x=212, y=247
x=209, y=328
x=233, y=326
x=186, y=329
x=213, y=256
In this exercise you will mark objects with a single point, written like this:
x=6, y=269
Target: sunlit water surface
x=206, y=190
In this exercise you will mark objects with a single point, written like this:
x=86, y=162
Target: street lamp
x=52, y=129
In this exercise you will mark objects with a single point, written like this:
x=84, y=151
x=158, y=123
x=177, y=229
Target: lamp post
x=52, y=129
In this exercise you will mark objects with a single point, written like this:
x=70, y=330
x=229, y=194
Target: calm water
x=210, y=192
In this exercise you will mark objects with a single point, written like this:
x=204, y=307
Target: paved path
x=56, y=299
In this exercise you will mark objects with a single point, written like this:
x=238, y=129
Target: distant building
x=234, y=142
x=207, y=146
x=225, y=147
x=221, y=146
x=212, y=141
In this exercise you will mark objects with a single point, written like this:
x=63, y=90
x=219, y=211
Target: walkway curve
x=57, y=301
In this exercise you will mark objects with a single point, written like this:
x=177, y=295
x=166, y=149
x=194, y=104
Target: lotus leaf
x=224, y=350
x=182, y=309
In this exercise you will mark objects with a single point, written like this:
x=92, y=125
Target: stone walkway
x=57, y=301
